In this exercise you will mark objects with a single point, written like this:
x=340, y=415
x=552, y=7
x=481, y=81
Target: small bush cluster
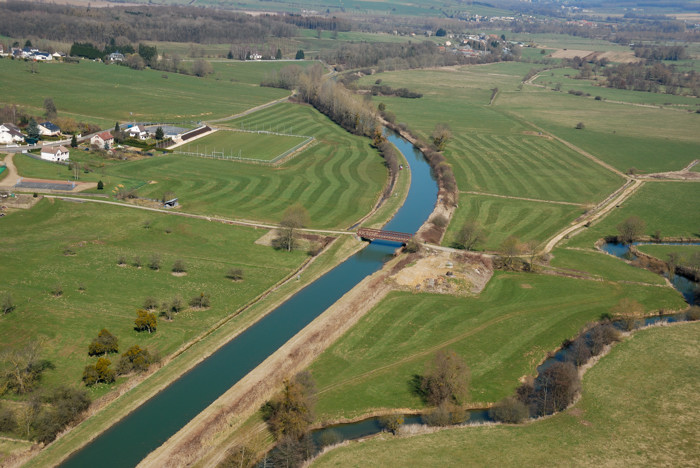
x=104, y=343
x=201, y=301
x=135, y=359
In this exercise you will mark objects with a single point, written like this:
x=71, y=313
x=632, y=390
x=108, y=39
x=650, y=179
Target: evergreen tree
x=74, y=141
x=159, y=133
x=33, y=129
x=278, y=55
x=300, y=55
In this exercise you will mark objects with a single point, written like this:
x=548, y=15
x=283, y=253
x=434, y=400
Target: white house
x=55, y=153
x=102, y=139
x=9, y=133
x=49, y=129
x=137, y=132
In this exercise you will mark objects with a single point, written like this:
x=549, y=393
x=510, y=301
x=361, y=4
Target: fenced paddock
x=253, y=146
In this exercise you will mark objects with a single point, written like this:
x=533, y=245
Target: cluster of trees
x=135, y=359
x=444, y=386
x=385, y=90
x=21, y=117
x=68, y=23
x=661, y=52
x=105, y=343
x=43, y=415
x=90, y=51
x=390, y=155
x=288, y=416
x=654, y=78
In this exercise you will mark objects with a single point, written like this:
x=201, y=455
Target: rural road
x=12, y=175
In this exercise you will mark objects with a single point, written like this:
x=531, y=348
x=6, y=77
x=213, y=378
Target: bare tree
x=202, y=67
x=295, y=217
x=471, y=235
x=441, y=135
x=50, y=109
x=510, y=248
x=446, y=379
x=630, y=229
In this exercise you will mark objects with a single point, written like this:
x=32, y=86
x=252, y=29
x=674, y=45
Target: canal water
x=131, y=439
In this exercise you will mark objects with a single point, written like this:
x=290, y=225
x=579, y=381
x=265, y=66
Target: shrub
x=179, y=266
x=145, y=321
x=439, y=221
x=100, y=185
x=68, y=252
x=693, y=314
x=99, y=372
x=7, y=304
x=154, y=264
x=135, y=359
x=57, y=290
x=200, y=301
x=445, y=379
x=391, y=422
x=137, y=262
x=103, y=344
x=8, y=422
x=412, y=246
x=509, y=410
x=580, y=126
x=150, y=303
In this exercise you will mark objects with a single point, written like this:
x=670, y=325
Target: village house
x=102, y=140
x=55, y=153
x=9, y=133
x=115, y=57
x=49, y=129
x=137, y=132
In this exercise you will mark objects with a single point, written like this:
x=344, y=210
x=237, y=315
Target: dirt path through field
x=510, y=197
x=12, y=176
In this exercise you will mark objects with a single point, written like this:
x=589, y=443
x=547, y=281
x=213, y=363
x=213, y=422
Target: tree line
x=70, y=23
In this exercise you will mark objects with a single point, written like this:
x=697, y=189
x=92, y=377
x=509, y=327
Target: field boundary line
x=511, y=197
x=203, y=217
x=251, y=110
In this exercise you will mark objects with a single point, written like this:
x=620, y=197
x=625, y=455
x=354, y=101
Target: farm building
x=102, y=140
x=55, y=153
x=49, y=129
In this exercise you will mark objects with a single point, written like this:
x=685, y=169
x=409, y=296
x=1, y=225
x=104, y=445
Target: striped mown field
x=527, y=166
x=502, y=217
x=337, y=180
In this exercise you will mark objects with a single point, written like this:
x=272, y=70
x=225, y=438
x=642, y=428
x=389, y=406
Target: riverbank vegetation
x=641, y=391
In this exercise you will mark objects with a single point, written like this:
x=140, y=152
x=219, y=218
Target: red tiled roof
x=105, y=136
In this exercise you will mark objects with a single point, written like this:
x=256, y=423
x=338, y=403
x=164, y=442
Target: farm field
x=260, y=146
x=661, y=252
x=566, y=78
x=502, y=335
x=669, y=207
x=623, y=135
x=601, y=265
x=104, y=94
x=492, y=152
x=98, y=293
x=337, y=180
x=501, y=218
x=641, y=392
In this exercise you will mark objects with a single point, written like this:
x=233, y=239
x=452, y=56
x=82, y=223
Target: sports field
x=502, y=335
x=104, y=94
x=638, y=408
x=245, y=145
x=501, y=218
x=77, y=245
x=338, y=180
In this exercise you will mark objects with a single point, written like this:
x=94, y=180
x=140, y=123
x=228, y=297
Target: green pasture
x=261, y=146
x=502, y=335
x=685, y=252
x=667, y=207
x=491, y=151
x=91, y=90
x=602, y=266
x=250, y=72
x=501, y=218
x=650, y=139
x=97, y=293
x=639, y=407
x=566, y=78
x=338, y=179
x=99, y=169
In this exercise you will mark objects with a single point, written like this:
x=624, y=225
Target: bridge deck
x=371, y=234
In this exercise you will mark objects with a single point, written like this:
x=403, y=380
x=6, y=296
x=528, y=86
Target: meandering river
x=142, y=431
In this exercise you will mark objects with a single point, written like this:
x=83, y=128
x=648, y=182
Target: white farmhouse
x=55, y=153
x=102, y=140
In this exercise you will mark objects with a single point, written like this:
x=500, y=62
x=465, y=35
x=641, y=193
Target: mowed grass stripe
x=500, y=217
x=337, y=180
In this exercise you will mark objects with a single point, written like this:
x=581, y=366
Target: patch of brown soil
x=570, y=53
x=526, y=286
x=178, y=273
x=444, y=272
